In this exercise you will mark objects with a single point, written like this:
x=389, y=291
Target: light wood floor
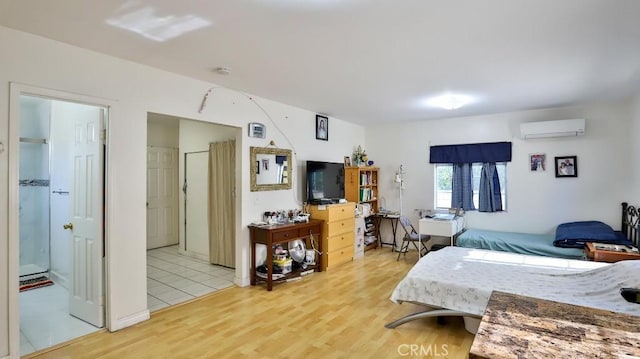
x=336, y=314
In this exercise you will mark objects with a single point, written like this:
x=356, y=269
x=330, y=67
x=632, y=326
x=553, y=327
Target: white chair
x=411, y=237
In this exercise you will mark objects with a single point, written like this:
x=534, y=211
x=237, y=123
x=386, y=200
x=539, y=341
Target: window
x=444, y=175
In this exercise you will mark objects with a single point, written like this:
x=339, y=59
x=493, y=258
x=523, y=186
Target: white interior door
x=86, y=297
x=196, y=208
x=162, y=197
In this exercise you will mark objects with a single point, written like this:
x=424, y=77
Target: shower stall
x=35, y=259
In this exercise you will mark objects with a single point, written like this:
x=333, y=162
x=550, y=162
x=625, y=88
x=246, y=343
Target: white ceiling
x=369, y=61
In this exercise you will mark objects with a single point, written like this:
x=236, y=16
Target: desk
x=443, y=228
x=524, y=327
x=393, y=219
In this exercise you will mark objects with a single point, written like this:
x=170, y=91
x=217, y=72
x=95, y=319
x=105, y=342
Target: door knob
x=68, y=226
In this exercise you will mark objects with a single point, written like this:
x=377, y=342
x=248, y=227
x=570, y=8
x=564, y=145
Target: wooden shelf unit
x=361, y=186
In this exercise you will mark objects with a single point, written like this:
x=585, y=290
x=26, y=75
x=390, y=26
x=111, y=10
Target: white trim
x=17, y=89
x=13, y=223
x=129, y=320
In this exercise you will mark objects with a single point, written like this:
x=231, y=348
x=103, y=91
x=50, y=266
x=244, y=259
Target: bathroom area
x=46, y=175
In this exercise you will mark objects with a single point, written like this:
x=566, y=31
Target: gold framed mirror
x=270, y=169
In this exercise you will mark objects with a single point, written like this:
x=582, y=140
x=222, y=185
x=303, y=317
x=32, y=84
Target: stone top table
x=515, y=326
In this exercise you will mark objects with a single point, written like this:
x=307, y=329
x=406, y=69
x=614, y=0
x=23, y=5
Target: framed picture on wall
x=537, y=162
x=566, y=166
x=322, y=128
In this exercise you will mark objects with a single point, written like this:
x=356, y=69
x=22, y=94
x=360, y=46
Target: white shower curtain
x=222, y=160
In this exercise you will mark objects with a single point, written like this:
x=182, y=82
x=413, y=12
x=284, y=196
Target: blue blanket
x=576, y=234
x=514, y=242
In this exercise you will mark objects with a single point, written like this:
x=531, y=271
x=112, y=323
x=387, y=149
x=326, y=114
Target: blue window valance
x=471, y=153
x=280, y=159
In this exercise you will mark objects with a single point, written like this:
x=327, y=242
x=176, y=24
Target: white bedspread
x=462, y=279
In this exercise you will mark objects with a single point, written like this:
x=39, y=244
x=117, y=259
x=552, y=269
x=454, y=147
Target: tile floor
x=173, y=278
x=45, y=319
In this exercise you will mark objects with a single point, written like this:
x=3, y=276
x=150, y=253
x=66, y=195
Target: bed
x=522, y=243
x=567, y=242
x=457, y=281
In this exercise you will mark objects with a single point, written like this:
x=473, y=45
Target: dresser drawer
x=341, y=211
x=338, y=257
x=284, y=235
x=333, y=212
x=341, y=226
x=340, y=241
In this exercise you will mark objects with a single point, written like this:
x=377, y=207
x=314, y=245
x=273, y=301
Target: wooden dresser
x=338, y=232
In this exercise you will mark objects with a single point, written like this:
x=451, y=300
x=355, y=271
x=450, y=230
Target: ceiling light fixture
x=449, y=101
x=222, y=70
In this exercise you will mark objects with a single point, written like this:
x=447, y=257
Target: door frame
x=15, y=91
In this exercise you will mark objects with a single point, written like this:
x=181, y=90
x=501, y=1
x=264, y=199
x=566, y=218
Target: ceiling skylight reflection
x=449, y=101
x=146, y=23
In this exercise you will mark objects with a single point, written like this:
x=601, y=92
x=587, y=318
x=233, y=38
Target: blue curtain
x=489, y=196
x=462, y=188
x=471, y=153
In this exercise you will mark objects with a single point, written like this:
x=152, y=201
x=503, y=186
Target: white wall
x=536, y=202
x=163, y=134
x=635, y=150
x=134, y=90
x=196, y=136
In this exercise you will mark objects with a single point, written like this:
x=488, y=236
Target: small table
x=281, y=234
x=439, y=227
x=515, y=326
x=595, y=253
x=393, y=219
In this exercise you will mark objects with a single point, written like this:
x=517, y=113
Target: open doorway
x=59, y=216
x=182, y=263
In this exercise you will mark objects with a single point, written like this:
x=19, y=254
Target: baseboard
x=58, y=279
x=242, y=282
x=129, y=320
x=202, y=257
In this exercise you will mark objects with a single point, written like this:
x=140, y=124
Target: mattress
x=462, y=279
x=523, y=243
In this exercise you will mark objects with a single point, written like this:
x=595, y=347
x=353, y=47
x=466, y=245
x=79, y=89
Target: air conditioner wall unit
x=548, y=129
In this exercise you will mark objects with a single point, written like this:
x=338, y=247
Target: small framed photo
x=566, y=166
x=537, y=162
x=322, y=128
x=347, y=161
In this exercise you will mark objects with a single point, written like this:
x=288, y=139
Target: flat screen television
x=325, y=182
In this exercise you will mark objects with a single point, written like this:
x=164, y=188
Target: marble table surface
x=515, y=326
